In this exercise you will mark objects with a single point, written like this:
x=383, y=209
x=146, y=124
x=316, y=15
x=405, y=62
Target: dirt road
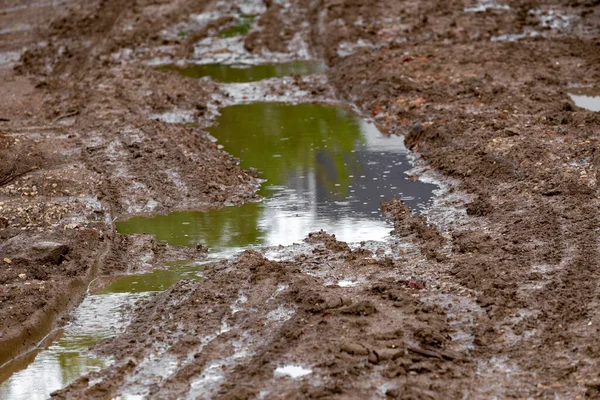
x=492, y=293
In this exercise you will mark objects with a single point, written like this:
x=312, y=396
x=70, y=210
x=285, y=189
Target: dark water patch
x=238, y=73
x=588, y=97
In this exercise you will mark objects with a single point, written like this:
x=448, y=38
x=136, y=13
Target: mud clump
x=406, y=224
x=328, y=241
x=41, y=274
x=354, y=348
x=362, y=308
x=479, y=207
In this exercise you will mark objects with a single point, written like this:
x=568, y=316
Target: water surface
x=158, y=280
x=324, y=168
x=240, y=28
x=65, y=356
x=238, y=73
x=588, y=98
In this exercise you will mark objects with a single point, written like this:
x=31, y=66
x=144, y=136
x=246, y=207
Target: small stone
x=7, y=260
x=23, y=276
x=50, y=252
x=363, y=308
x=353, y=348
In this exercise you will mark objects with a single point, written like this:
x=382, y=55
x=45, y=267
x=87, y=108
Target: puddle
x=292, y=371
x=238, y=73
x=346, y=49
x=485, y=5
x=347, y=283
x=553, y=19
x=15, y=29
x=65, y=357
x=157, y=280
x=515, y=37
x=324, y=168
x=241, y=28
x=9, y=58
x=175, y=117
x=586, y=97
x=22, y=7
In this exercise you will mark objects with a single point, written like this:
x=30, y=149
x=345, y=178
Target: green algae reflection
x=157, y=280
x=286, y=143
x=241, y=28
x=238, y=73
x=281, y=140
x=228, y=227
x=50, y=370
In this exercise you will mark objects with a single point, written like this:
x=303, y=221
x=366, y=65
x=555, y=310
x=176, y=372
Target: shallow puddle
x=158, y=280
x=241, y=28
x=65, y=357
x=588, y=98
x=238, y=73
x=324, y=168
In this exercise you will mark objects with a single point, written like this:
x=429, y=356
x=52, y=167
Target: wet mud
x=490, y=290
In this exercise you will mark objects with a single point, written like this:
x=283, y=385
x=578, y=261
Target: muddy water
x=65, y=356
x=323, y=168
x=588, y=98
x=238, y=73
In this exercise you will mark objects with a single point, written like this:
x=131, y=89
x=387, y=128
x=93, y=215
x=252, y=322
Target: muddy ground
x=498, y=294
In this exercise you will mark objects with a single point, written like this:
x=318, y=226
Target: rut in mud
x=321, y=167
x=488, y=290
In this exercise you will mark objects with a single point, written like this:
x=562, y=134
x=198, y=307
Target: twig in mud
x=12, y=176
x=67, y=115
x=423, y=352
x=2, y=119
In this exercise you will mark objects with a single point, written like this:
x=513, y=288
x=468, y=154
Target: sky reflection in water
x=586, y=97
x=66, y=358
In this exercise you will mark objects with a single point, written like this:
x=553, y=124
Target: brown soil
x=346, y=334
x=500, y=302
